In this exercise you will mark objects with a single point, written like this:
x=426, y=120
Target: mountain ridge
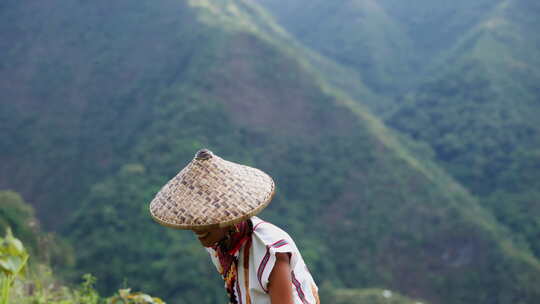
x=470, y=94
x=254, y=101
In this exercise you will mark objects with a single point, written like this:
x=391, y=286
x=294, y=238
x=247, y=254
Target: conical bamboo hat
x=211, y=192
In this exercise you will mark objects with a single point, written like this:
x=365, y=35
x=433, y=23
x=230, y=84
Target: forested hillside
x=358, y=34
x=482, y=111
x=468, y=86
x=104, y=102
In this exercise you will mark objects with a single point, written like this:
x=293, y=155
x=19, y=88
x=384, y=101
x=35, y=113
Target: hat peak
x=203, y=154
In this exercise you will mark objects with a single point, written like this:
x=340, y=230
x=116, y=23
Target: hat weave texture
x=211, y=192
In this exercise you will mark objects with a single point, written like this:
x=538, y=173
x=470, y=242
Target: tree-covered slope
x=391, y=44
x=77, y=83
x=358, y=34
x=43, y=247
x=194, y=74
x=469, y=85
x=480, y=113
x=435, y=26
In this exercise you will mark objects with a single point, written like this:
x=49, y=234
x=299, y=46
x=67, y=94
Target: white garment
x=267, y=240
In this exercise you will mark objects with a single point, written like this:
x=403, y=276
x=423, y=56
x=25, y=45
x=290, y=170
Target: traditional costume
x=211, y=192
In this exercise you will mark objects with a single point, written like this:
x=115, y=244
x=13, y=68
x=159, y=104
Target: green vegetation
x=468, y=85
x=480, y=116
x=43, y=288
x=356, y=34
x=13, y=259
x=18, y=216
x=121, y=96
x=47, y=247
x=366, y=296
x=40, y=287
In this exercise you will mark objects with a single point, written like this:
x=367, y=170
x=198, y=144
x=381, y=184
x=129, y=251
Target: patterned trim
x=299, y=290
x=247, y=247
x=238, y=293
x=264, y=261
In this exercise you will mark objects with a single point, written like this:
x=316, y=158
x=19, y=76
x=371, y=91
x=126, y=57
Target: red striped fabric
x=299, y=290
x=264, y=261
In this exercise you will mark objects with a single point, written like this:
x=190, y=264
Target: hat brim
x=213, y=225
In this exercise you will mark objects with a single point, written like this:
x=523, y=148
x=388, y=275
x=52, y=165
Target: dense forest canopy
x=468, y=86
x=403, y=139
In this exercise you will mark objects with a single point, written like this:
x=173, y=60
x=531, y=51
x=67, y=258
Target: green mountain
x=469, y=85
x=107, y=101
x=358, y=34
x=482, y=113
x=392, y=45
x=435, y=26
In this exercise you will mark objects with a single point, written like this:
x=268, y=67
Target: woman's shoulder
x=269, y=233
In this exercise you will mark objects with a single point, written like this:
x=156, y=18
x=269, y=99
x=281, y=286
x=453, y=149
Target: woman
x=218, y=199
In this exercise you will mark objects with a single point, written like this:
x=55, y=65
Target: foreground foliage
x=40, y=287
x=13, y=259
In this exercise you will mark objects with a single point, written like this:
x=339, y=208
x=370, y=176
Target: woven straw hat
x=211, y=192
